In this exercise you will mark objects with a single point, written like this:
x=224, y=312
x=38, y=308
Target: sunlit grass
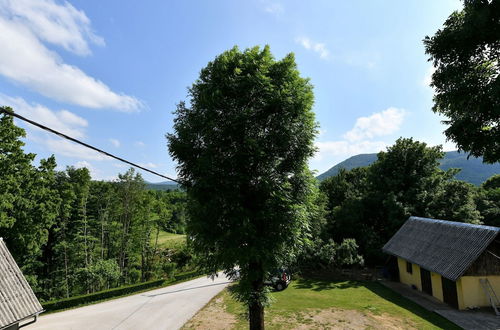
x=291, y=306
x=170, y=240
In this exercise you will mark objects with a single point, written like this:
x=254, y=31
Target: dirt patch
x=335, y=318
x=213, y=316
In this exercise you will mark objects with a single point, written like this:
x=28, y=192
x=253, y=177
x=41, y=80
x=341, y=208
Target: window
x=409, y=267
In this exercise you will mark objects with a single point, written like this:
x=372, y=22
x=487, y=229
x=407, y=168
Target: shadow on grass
x=409, y=305
x=316, y=284
x=320, y=282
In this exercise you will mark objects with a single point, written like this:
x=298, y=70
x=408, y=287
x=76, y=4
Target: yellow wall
x=437, y=286
x=469, y=290
x=407, y=278
x=471, y=293
x=414, y=279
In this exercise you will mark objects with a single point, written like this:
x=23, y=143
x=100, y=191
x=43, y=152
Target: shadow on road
x=180, y=290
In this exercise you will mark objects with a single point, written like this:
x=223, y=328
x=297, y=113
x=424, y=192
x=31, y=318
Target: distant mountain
x=166, y=185
x=350, y=163
x=473, y=170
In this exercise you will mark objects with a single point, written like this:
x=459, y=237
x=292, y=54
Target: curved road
x=165, y=308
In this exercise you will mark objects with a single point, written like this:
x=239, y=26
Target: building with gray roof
x=458, y=263
x=18, y=304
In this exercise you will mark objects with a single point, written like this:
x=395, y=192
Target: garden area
x=323, y=303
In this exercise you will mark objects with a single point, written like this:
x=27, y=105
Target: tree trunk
x=256, y=316
x=255, y=309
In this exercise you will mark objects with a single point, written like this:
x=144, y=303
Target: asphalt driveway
x=166, y=308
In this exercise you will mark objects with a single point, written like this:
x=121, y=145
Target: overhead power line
x=3, y=110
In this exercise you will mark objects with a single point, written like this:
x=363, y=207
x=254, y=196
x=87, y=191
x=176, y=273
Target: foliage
x=28, y=202
x=455, y=200
x=71, y=235
x=401, y=183
x=370, y=204
x=465, y=53
x=242, y=146
x=329, y=255
x=488, y=201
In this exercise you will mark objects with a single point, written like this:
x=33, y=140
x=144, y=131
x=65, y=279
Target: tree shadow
x=409, y=305
x=320, y=283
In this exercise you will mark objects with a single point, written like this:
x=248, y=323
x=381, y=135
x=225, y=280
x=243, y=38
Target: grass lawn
x=321, y=304
x=170, y=240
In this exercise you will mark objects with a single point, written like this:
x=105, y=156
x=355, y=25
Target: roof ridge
x=455, y=223
x=445, y=247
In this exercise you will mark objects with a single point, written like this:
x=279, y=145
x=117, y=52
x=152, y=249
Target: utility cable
x=11, y=113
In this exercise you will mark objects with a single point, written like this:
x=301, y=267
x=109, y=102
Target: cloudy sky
x=111, y=72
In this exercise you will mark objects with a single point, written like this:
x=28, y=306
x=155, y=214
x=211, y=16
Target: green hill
x=473, y=170
x=166, y=185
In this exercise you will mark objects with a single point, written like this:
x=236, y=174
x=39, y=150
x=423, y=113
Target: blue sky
x=111, y=72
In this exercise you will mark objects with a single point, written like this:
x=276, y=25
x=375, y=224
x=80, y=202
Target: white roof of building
x=17, y=300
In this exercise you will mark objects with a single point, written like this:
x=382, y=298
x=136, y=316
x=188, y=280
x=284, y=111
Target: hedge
x=65, y=303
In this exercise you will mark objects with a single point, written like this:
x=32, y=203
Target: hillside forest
x=72, y=235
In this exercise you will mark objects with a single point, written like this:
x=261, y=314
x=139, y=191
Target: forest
x=72, y=235
x=369, y=204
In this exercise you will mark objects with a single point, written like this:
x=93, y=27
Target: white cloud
x=378, y=124
x=139, y=144
x=148, y=165
x=317, y=47
x=95, y=172
x=116, y=143
x=62, y=25
x=84, y=164
x=26, y=60
x=359, y=139
x=426, y=81
x=346, y=148
x=366, y=59
x=63, y=121
x=274, y=8
x=71, y=149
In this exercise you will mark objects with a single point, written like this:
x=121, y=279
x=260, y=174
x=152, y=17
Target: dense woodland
x=369, y=204
x=72, y=235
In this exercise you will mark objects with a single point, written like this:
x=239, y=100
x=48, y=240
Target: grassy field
x=320, y=304
x=169, y=240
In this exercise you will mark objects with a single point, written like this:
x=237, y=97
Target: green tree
x=28, y=200
x=455, y=200
x=370, y=204
x=489, y=201
x=466, y=53
x=345, y=192
x=15, y=166
x=402, y=183
x=242, y=146
x=130, y=192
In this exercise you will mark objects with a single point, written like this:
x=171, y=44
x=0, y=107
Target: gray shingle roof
x=17, y=300
x=444, y=247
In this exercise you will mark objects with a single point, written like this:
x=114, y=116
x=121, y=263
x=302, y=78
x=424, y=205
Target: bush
x=330, y=255
x=169, y=269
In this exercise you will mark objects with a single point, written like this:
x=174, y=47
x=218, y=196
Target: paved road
x=166, y=308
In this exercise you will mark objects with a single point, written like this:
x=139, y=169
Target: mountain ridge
x=473, y=170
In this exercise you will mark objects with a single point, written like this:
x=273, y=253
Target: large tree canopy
x=466, y=53
x=242, y=146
